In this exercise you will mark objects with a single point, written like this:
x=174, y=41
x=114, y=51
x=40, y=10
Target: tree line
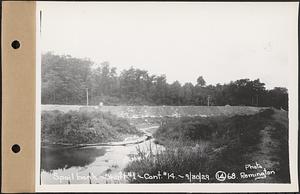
x=69, y=80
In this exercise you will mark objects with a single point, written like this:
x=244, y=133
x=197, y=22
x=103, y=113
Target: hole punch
x=15, y=44
x=16, y=148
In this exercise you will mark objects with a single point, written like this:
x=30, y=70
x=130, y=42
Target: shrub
x=266, y=113
x=244, y=128
x=84, y=127
x=187, y=129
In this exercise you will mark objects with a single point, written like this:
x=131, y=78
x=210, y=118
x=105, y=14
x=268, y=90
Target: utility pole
x=87, y=96
x=208, y=98
x=256, y=99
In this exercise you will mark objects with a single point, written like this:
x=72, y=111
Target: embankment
x=160, y=111
x=208, y=145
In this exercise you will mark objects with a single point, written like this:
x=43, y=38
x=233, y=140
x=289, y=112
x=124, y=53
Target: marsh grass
x=180, y=158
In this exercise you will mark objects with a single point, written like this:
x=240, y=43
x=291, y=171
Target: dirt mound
x=161, y=111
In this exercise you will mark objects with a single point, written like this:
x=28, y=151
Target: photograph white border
x=203, y=187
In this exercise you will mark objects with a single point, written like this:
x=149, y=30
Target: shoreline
x=141, y=139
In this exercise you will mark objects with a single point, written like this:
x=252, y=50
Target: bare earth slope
x=160, y=111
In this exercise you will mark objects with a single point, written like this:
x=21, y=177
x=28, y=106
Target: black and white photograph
x=167, y=93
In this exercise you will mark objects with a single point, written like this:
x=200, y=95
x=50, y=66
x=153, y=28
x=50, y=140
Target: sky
x=222, y=42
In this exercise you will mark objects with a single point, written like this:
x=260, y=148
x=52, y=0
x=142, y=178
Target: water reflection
x=58, y=157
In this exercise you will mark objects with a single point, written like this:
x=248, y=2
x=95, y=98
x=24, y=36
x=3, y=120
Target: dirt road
x=272, y=154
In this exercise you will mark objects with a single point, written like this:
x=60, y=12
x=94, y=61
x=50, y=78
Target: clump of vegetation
x=186, y=129
x=77, y=127
x=243, y=128
x=180, y=159
x=204, y=145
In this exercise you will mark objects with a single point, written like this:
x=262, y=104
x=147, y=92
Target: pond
x=88, y=165
x=58, y=157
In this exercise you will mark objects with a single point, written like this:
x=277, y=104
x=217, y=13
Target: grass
x=177, y=159
x=205, y=145
x=79, y=127
x=280, y=134
x=220, y=129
